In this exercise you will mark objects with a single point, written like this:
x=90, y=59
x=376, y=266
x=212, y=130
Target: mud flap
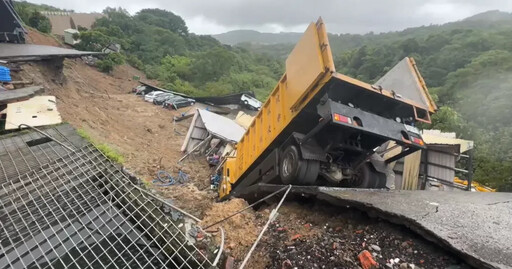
x=381, y=167
x=309, y=150
x=378, y=163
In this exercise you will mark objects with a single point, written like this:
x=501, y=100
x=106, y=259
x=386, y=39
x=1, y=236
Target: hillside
x=280, y=44
x=251, y=36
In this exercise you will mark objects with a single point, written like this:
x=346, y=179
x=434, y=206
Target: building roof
x=436, y=137
x=62, y=21
x=59, y=23
x=221, y=126
x=85, y=19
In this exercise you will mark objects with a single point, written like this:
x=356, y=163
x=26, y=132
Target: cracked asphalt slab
x=474, y=225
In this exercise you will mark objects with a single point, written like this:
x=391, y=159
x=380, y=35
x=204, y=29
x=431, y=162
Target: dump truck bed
x=310, y=73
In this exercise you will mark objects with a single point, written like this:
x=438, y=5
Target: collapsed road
x=473, y=225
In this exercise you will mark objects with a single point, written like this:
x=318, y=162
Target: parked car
x=250, y=102
x=160, y=99
x=150, y=96
x=177, y=102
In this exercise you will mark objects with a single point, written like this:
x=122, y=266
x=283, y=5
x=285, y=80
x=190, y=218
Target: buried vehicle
x=178, y=102
x=250, y=102
x=160, y=99
x=320, y=127
x=149, y=97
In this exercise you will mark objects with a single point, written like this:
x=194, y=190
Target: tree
x=163, y=19
x=93, y=41
x=40, y=22
x=211, y=65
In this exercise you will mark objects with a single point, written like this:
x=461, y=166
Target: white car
x=150, y=96
x=250, y=102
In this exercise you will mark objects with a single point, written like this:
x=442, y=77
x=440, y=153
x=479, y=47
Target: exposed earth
x=305, y=235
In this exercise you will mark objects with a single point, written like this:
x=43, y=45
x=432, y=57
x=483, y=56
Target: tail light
x=340, y=118
x=417, y=141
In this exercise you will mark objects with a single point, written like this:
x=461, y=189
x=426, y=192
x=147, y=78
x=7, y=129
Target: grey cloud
x=341, y=16
x=344, y=15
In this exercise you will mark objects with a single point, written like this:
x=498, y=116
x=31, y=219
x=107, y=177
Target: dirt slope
x=103, y=106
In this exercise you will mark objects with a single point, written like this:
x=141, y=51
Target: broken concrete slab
x=11, y=96
x=36, y=111
x=25, y=52
x=473, y=225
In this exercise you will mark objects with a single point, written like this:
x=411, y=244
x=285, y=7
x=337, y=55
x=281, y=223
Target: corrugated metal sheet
x=436, y=137
x=67, y=20
x=445, y=158
x=85, y=19
x=205, y=123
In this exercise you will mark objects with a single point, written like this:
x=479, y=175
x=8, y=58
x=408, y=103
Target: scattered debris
x=5, y=74
x=366, y=260
x=163, y=178
x=325, y=246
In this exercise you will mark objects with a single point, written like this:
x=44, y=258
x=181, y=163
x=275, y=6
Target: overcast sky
x=341, y=16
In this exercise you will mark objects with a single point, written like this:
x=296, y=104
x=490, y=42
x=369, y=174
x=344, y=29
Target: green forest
x=469, y=73
x=467, y=66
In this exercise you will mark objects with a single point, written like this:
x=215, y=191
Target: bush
x=135, y=62
x=152, y=71
x=116, y=58
x=40, y=22
x=105, y=66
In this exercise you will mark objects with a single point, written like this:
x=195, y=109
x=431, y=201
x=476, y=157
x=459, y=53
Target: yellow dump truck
x=319, y=127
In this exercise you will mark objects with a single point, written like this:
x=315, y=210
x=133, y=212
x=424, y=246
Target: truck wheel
x=293, y=169
x=366, y=178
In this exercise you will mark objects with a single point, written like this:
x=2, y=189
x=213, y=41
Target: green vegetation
x=159, y=43
x=40, y=22
x=107, y=65
x=469, y=73
x=109, y=152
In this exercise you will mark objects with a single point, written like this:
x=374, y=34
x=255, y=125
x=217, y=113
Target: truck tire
x=368, y=178
x=295, y=170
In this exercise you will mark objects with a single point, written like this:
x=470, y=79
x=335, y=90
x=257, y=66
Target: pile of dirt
x=38, y=38
x=241, y=230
